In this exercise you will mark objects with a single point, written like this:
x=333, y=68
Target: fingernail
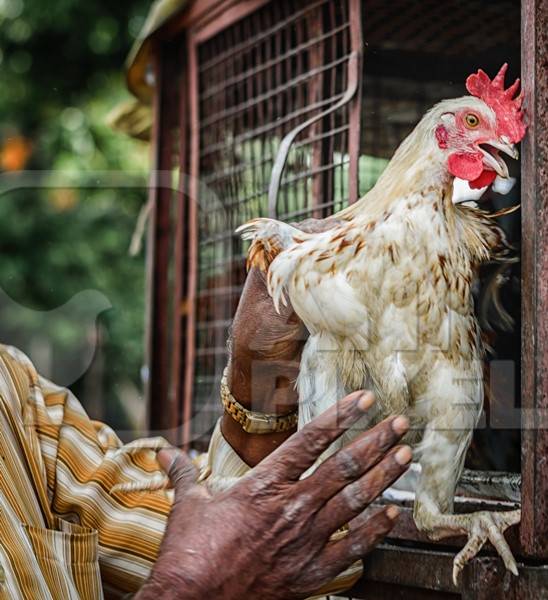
x=400, y=425
x=366, y=401
x=393, y=512
x=403, y=455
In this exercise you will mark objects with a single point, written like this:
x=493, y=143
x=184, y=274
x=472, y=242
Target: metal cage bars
x=249, y=91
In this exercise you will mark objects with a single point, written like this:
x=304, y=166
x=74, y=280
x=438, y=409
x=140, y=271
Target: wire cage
x=263, y=76
x=233, y=82
x=257, y=80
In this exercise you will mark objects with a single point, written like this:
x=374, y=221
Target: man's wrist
x=266, y=387
x=253, y=421
x=252, y=447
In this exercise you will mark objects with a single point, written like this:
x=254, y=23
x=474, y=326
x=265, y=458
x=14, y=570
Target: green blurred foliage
x=61, y=73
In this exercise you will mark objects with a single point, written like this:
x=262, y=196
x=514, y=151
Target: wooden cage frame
x=423, y=570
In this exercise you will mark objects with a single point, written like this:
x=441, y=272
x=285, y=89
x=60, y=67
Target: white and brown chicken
x=386, y=296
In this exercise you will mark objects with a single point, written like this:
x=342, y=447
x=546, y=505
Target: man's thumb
x=179, y=468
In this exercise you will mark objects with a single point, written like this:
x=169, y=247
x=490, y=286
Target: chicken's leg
x=442, y=459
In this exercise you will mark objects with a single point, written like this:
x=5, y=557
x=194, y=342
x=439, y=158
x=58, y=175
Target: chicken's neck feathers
x=418, y=165
x=417, y=173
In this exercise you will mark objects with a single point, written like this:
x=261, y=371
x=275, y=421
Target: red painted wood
x=180, y=284
x=158, y=248
x=229, y=13
x=534, y=526
x=192, y=237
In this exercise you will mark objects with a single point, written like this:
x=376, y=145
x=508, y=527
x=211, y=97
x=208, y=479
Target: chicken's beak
x=493, y=160
x=504, y=145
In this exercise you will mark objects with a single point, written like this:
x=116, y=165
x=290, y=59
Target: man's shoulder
x=12, y=357
x=17, y=374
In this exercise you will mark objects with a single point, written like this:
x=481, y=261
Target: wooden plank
x=406, y=530
x=208, y=17
x=322, y=182
x=374, y=590
x=193, y=199
x=486, y=578
x=534, y=526
x=180, y=277
x=227, y=16
x=427, y=573
x=158, y=250
x=426, y=569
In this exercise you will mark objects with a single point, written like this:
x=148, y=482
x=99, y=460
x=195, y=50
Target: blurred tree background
x=61, y=73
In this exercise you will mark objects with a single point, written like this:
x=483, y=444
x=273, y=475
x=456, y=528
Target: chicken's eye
x=471, y=120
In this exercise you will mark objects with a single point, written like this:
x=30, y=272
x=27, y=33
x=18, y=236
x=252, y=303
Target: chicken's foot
x=480, y=527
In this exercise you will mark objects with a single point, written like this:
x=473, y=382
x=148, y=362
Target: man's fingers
x=303, y=448
x=352, y=461
x=339, y=555
x=354, y=498
x=179, y=468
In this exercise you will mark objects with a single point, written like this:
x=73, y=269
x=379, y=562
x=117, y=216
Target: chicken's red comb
x=506, y=107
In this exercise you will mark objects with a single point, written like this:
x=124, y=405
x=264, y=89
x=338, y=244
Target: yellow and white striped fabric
x=64, y=532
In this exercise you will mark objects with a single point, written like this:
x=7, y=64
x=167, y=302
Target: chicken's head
x=476, y=129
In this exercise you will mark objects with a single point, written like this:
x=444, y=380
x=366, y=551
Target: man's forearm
x=263, y=367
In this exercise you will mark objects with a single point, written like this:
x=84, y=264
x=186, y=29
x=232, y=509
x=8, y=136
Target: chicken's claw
x=484, y=526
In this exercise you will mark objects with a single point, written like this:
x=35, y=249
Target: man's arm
x=73, y=465
x=265, y=352
x=84, y=461
x=269, y=531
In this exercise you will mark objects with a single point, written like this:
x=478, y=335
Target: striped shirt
x=76, y=518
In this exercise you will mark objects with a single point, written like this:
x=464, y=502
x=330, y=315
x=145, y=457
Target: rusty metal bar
x=158, y=249
x=534, y=526
x=320, y=187
x=354, y=133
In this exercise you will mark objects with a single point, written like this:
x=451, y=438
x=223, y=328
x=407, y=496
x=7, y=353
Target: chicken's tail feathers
x=269, y=238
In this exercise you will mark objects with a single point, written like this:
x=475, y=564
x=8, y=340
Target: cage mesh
x=266, y=74
x=259, y=79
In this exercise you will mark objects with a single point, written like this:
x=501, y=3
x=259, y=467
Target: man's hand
x=265, y=355
x=268, y=536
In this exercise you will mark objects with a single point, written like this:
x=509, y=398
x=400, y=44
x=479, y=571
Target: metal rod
x=277, y=170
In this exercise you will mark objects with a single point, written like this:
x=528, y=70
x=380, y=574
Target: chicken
x=386, y=296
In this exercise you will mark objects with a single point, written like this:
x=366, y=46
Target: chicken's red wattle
x=486, y=178
x=470, y=167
